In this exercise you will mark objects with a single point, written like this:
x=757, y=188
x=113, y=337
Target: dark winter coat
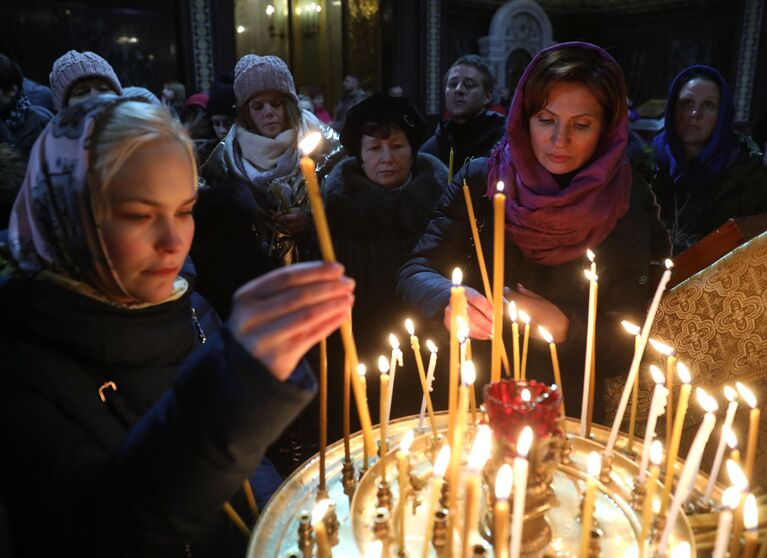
x=690, y=213
x=373, y=230
x=475, y=138
x=145, y=471
x=623, y=266
x=23, y=136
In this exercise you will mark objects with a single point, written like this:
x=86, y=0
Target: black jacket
x=623, y=266
x=475, y=138
x=146, y=471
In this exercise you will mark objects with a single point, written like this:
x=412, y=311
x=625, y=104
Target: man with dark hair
x=353, y=94
x=470, y=129
x=20, y=121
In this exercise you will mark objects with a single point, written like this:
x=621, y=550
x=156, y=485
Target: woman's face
x=221, y=124
x=387, y=162
x=88, y=87
x=267, y=112
x=696, y=112
x=148, y=225
x=565, y=133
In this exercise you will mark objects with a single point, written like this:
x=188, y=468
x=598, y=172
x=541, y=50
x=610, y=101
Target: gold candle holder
x=305, y=534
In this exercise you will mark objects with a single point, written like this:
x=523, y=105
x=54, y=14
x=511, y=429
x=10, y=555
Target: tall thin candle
x=478, y=456
x=590, y=339
x=394, y=360
x=753, y=428
x=521, y=467
x=587, y=517
x=383, y=368
x=656, y=457
x=730, y=501
x=366, y=451
x=499, y=233
x=670, y=354
x=450, y=166
x=347, y=413
x=403, y=480
x=458, y=308
x=525, y=317
x=554, y=364
x=634, y=330
x=732, y=396
x=515, y=338
x=676, y=435
x=503, y=482
x=657, y=408
x=320, y=531
x=433, y=349
x=751, y=523
x=440, y=466
x=323, y=410
x=415, y=345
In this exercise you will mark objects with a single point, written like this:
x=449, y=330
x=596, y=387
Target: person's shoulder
x=428, y=162
x=338, y=180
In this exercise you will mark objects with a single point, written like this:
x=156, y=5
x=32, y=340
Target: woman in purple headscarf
x=707, y=173
x=569, y=188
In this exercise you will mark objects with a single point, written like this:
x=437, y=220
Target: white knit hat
x=254, y=74
x=74, y=66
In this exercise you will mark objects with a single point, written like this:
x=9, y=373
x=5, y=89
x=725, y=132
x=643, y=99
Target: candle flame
x=708, y=403
x=730, y=438
x=503, y=481
x=383, y=364
x=746, y=394
x=657, y=375
x=361, y=369
x=443, y=458
x=730, y=394
x=318, y=514
x=480, y=451
x=633, y=329
x=525, y=395
x=632, y=552
x=374, y=550
x=591, y=276
x=737, y=476
x=669, y=264
x=410, y=327
x=500, y=186
x=394, y=342
x=750, y=513
x=656, y=452
x=525, y=441
x=682, y=550
x=309, y=142
x=545, y=334
x=524, y=316
x=590, y=255
x=731, y=497
x=683, y=372
x=662, y=348
x=468, y=373
x=594, y=464
x=406, y=442
x=513, y=310
x=431, y=346
x=457, y=276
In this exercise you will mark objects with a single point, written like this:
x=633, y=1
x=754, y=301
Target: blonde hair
x=293, y=116
x=118, y=134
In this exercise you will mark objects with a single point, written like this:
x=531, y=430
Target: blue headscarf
x=720, y=152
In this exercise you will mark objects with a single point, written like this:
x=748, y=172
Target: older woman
x=706, y=172
x=378, y=204
x=569, y=188
x=132, y=414
x=253, y=216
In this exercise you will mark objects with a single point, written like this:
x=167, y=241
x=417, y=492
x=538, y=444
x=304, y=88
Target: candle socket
x=479, y=551
x=293, y=554
x=444, y=499
x=331, y=524
x=595, y=543
x=305, y=534
x=638, y=496
x=382, y=524
x=439, y=538
x=566, y=448
x=607, y=468
x=433, y=447
x=348, y=481
x=383, y=495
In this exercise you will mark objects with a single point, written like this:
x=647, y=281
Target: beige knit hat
x=254, y=74
x=74, y=66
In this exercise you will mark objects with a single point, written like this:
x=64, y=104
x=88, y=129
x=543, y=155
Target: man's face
x=351, y=84
x=465, y=95
x=8, y=98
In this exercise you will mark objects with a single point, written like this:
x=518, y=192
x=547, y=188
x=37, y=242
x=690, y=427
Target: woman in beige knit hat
x=253, y=215
x=77, y=76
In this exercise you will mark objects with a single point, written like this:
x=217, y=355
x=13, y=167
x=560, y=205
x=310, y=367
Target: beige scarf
x=262, y=152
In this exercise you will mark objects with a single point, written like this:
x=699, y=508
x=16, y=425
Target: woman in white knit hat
x=77, y=76
x=252, y=216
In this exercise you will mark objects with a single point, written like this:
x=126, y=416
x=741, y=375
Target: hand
x=480, y=313
x=294, y=221
x=541, y=311
x=279, y=316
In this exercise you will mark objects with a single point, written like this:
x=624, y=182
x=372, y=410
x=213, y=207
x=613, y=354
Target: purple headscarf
x=549, y=224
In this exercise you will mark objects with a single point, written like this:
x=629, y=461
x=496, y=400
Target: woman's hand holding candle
x=480, y=313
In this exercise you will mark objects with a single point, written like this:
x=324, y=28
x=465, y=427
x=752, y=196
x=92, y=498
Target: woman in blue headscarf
x=706, y=172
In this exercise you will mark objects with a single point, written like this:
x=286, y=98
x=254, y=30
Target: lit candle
x=681, y=550
x=634, y=369
x=478, y=456
x=458, y=308
x=440, y=466
x=585, y=426
x=415, y=345
x=515, y=337
x=691, y=466
x=554, y=364
x=657, y=408
x=383, y=368
x=403, y=470
x=732, y=443
x=499, y=233
x=521, y=467
x=374, y=550
x=730, y=501
x=525, y=317
x=669, y=353
x=366, y=451
x=751, y=523
x=429, y=379
x=753, y=428
x=731, y=396
x=306, y=146
x=503, y=481
x=676, y=435
x=320, y=531
x=323, y=409
x=396, y=359
x=587, y=517
x=634, y=330
x=656, y=457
